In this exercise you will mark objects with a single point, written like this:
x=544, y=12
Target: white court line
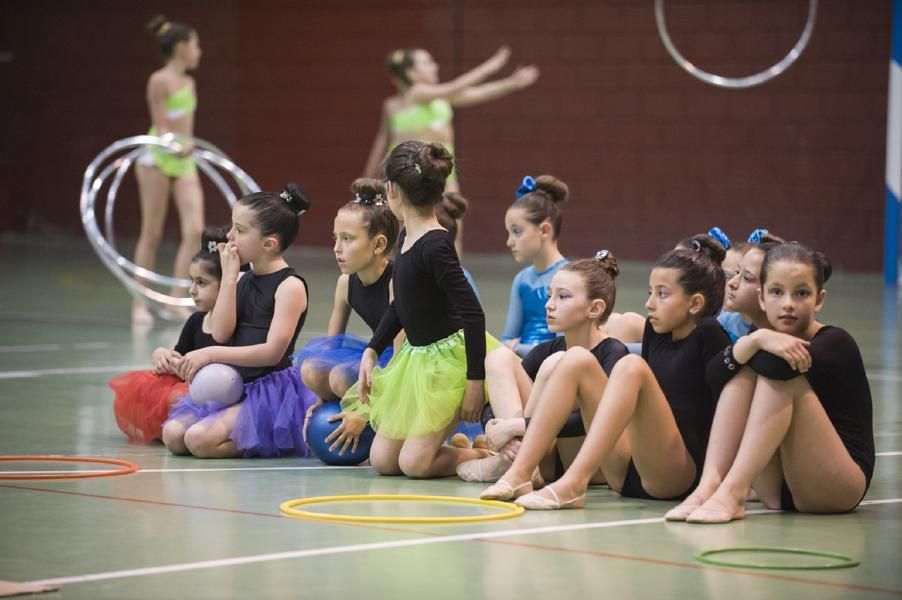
x=56, y=347
x=884, y=375
x=71, y=371
x=198, y=470
x=897, y=453
x=259, y=558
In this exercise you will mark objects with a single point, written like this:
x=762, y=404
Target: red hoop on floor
x=127, y=467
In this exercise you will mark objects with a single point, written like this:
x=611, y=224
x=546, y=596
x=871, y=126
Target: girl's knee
x=339, y=382
x=198, y=441
x=630, y=366
x=384, y=465
x=500, y=359
x=415, y=465
x=174, y=437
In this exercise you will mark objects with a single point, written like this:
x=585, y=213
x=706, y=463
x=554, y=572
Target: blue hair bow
x=718, y=234
x=528, y=185
x=755, y=236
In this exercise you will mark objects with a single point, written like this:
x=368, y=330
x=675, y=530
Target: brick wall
x=292, y=90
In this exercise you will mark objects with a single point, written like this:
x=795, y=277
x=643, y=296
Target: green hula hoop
x=508, y=509
x=843, y=561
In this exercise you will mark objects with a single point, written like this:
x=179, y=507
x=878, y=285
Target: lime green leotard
x=178, y=104
x=419, y=117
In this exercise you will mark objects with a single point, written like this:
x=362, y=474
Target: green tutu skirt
x=420, y=392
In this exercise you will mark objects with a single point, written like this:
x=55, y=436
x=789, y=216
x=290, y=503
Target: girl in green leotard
x=171, y=100
x=423, y=107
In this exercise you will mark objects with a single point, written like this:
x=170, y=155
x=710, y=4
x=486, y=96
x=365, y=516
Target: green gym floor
x=188, y=528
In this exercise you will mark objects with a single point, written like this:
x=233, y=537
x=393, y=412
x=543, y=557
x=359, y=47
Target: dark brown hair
x=208, y=255
x=420, y=170
x=168, y=35
x=377, y=217
x=700, y=270
x=802, y=254
x=449, y=210
x=398, y=62
x=598, y=276
x=277, y=214
x=543, y=203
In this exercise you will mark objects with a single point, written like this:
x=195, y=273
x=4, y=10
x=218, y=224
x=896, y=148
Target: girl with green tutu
x=437, y=378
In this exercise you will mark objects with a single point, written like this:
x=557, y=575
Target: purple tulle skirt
x=270, y=422
x=343, y=350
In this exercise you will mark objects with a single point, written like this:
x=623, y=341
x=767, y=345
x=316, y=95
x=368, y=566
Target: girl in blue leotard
x=533, y=225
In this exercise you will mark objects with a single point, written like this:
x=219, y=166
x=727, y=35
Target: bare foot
x=459, y=440
x=499, y=432
x=480, y=442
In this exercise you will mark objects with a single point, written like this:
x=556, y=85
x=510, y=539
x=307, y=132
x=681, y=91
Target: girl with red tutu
x=143, y=398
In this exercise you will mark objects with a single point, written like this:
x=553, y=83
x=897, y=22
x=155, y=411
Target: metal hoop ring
x=117, y=158
x=736, y=82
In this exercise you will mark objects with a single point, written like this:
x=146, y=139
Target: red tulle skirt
x=142, y=403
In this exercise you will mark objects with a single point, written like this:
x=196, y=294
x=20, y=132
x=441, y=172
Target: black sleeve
x=772, y=366
x=187, y=337
x=535, y=357
x=440, y=258
x=647, y=334
x=389, y=327
x=614, y=351
x=713, y=340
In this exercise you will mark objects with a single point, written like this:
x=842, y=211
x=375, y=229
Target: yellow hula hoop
x=288, y=508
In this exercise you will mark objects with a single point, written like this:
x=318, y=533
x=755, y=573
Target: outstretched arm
x=426, y=92
x=523, y=77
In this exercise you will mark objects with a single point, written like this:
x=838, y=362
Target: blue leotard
x=526, y=309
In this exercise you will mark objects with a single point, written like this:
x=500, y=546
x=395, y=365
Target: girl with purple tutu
x=258, y=318
x=365, y=233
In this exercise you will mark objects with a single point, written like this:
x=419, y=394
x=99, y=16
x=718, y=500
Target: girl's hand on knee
x=348, y=433
x=790, y=348
x=512, y=344
x=474, y=401
x=365, y=377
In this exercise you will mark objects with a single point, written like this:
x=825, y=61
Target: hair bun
x=826, y=265
x=608, y=262
x=157, y=26
x=707, y=245
x=296, y=198
x=554, y=188
x=435, y=157
x=368, y=190
x=455, y=204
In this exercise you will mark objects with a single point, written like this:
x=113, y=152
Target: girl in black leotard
x=648, y=428
x=796, y=423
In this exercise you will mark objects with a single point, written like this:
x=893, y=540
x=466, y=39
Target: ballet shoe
x=535, y=501
x=682, y=511
x=502, y=490
x=713, y=516
x=485, y=470
x=459, y=440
